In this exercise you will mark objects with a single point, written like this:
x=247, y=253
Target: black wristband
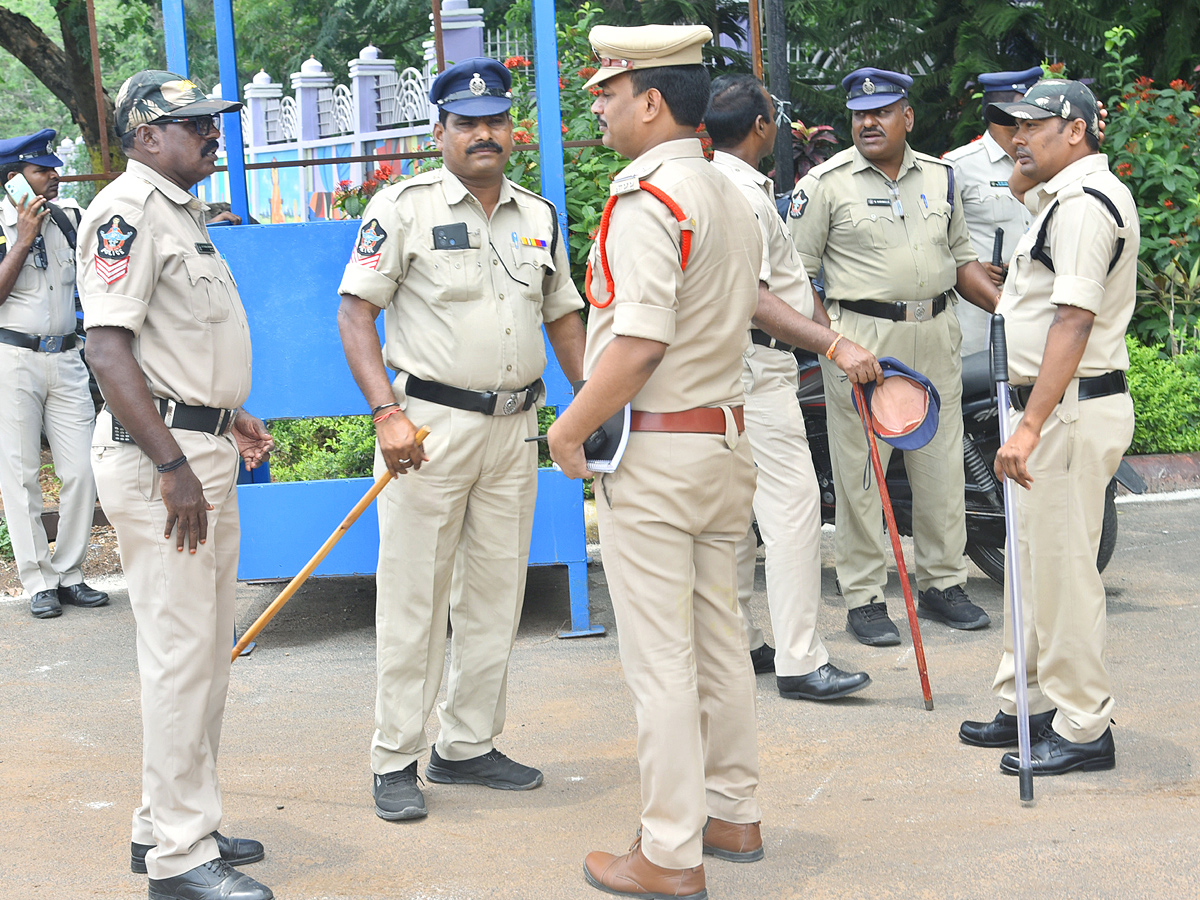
x=376, y=410
x=171, y=466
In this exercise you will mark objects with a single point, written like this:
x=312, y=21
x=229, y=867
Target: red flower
x=564, y=128
x=1180, y=85
x=517, y=62
x=1174, y=243
x=526, y=123
x=1171, y=120
x=521, y=136
x=595, y=91
x=1169, y=204
x=342, y=185
x=1124, y=169
x=1144, y=82
x=586, y=72
x=1057, y=69
x=562, y=85
x=383, y=173
x=369, y=185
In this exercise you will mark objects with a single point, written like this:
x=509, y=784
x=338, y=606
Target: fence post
x=260, y=90
x=462, y=31
x=307, y=83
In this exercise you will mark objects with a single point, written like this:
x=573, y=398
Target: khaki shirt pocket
x=457, y=274
x=210, y=300
x=27, y=278
x=937, y=221
x=872, y=227
x=66, y=265
x=534, y=264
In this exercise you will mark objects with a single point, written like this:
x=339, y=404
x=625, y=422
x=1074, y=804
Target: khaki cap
x=646, y=47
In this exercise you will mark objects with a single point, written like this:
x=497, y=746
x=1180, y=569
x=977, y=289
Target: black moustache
x=487, y=145
x=211, y=146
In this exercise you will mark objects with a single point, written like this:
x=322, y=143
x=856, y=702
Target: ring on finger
x=404, y=462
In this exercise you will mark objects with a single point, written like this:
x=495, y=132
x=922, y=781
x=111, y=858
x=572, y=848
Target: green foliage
x=6, y=550
x=1166, y=399
x=324, y=447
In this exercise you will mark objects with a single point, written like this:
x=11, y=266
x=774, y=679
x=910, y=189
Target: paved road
x=872, y=797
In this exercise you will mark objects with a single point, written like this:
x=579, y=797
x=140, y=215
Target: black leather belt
x=1089, y=389
x=188, y=418
x=760, y=337
x=44, y=343
x=490, y=403
x=899, y=311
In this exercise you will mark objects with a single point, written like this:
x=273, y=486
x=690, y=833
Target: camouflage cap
x=153, y=94
x=1051, y=98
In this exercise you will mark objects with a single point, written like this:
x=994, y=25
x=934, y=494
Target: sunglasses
x=204, y=125
x=40, y=259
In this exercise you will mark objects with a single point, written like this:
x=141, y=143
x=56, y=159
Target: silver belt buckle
x=50, y=343
x=169, y=415
x=513, y=401
x=920, y=311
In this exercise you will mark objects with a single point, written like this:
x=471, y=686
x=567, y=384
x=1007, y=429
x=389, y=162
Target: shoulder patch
x=799, y=204
x=115, y=242
x=370, y=240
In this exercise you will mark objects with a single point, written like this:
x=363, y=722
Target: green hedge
x=1166, y=399
x=324, y=447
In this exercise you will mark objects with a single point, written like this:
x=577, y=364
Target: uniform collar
x=683, y=148
x=994, y=151
x=8, y=212
x=1090, y=164
x=736, y=162
x=456, y=191
x=861, y=162
x=164, y=186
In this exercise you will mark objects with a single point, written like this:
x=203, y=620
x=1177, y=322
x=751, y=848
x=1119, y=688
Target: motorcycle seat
x=977, y=375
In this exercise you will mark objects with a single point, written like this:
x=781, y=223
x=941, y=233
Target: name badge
x=878, y=201
x=206, y=248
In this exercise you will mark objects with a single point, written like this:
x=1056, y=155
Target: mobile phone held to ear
x=19, y=189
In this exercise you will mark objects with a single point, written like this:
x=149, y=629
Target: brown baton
x=294, y=585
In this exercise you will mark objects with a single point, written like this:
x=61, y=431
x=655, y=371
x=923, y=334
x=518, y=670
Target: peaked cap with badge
x=646, y=47
x=474, y=87
x=35, y=149
x=874, y=88
x=1054, y=97
x=1019, y=82
x=153, y=94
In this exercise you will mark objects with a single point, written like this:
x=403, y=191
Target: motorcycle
x=981, y=440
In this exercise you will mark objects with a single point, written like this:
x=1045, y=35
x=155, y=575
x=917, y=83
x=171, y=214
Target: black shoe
x=1002, y=730
x=44, y=605
x=951, y=607
x=215, y=880
x=397, y=795
x=493, y=769
x=826, y=683
x=81, y=595
x=1054, y=755
x=763, y=658
x=871, y=625
x=235, y=851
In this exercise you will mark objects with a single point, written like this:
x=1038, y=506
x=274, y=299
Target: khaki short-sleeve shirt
x=982, y=169
x=878, y=239
x=702, y=313
x=463, y=314
x=782, y=270
x=1081, y=239
x=146, y=264
x=42, y=300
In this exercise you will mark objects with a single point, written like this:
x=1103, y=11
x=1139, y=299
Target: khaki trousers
x=787, y=505
x=183, y=604
x=1058, y=534
x=453, y=542
x=935, y=472
x=669, y=518
x=46, y=391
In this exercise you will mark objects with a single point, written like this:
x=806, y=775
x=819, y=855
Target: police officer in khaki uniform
x=787, y=499
x=887, y=225
x=45, y=382
x=1067, y=301
x=170, y=346
x=468, y=267
x=674, y=285
x=981, y=171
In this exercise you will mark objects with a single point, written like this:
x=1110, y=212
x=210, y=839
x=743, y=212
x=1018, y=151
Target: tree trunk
x=65, y=71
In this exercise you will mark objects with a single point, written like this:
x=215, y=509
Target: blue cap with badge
x=1018, y=82
x=874, y=88
x=473, y=87
x=904, y=409
x=35, y=149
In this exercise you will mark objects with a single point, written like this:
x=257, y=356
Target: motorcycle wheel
x=991, y=559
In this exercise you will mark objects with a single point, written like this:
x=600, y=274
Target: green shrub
x=1166, y=399
x=324, y=447
x=6, y=550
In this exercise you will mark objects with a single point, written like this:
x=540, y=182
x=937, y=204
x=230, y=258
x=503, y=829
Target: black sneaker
x=397, y=795
x=951, y=607
x=763, y=659
x=493, y=769
x=871, y=625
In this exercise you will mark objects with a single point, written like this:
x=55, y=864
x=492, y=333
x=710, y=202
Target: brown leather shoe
x=632, y=875
x=731, y=841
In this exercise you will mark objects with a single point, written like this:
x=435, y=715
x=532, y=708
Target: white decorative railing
x=287, y=120
x=403, y=99
x=335, y=111
x=502, y=44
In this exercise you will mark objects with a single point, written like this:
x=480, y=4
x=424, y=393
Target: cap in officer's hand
x=474, y=87
x=153, y=94
x=1052, y=98
x=904, y=409
x=1008, y=82
x=646, y=47
x=874, y=88
x=36, y=149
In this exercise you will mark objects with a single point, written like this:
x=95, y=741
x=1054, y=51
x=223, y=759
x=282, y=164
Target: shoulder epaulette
x=834, y=162
x=1039, y=252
